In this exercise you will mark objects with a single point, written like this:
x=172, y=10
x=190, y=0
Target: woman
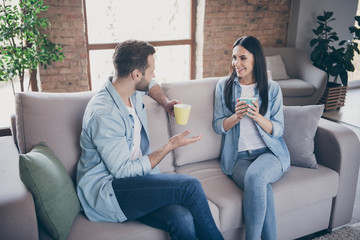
x=253, y=153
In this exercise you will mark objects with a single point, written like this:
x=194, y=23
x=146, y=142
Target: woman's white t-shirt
x=249, y=135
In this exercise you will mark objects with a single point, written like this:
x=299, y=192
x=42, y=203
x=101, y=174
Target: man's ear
x=136, y=74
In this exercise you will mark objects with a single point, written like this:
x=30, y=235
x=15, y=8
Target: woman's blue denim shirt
x=106, y=141
x=230, y=138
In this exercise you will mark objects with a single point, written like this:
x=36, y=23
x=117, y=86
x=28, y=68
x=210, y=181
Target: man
x=118, y=178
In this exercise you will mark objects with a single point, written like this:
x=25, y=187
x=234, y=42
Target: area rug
x=350, y=232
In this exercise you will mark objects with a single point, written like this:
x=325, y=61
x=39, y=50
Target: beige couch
x=305, y=83
x=307, y=200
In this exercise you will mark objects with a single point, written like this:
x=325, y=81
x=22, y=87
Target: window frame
x=106, y=46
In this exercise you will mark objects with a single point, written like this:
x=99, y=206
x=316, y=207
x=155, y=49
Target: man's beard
x=143, y=85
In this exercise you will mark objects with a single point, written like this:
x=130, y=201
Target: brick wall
x=68, y=29
x=223, y=22
x=227, y=20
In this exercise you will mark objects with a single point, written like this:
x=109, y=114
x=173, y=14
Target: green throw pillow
x=54, y=193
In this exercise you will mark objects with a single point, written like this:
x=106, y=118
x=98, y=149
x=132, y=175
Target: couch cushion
x=220, y=190
x=59, y=116
x=84, y=229
x=158, y=131
x=129, y=230
x=300, y=127
x=200, y=95
x=276, y=67
x=54, y=193
x=300, y=187
x=296, y=88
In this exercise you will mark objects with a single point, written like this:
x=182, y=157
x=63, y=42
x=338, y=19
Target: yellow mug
x=182, y=113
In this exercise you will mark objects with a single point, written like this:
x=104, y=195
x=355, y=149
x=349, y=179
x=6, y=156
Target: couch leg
x=5, y=131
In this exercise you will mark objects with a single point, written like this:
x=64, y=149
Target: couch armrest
x=299, y=66
x=338, y=148
x=17, y=210
x=311, y=74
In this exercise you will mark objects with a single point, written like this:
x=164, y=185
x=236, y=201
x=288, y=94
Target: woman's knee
x=254, y=179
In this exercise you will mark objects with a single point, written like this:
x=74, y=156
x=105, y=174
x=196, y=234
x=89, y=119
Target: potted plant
x=23, y=44
x=336, y=61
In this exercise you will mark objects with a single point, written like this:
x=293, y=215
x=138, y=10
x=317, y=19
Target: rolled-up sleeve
x=109, y=137
x=152, y=83
x=219, y=116
x=276, y=111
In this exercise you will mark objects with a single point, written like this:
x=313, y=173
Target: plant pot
x=334, y=96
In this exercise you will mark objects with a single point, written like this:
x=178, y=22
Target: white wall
x=303, y=20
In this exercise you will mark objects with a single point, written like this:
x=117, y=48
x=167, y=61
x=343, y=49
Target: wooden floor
x=349, y=116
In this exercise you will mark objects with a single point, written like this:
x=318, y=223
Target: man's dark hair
x=131, y=55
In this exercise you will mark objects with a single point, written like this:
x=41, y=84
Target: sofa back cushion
x=54, y=118
x=158, y=131
x=200, y=95
x=290, y=57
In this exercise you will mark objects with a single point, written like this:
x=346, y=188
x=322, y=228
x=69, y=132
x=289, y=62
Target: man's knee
x=181, y=224
x=192, y=182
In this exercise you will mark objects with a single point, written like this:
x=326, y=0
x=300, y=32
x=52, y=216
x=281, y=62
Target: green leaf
x=333, y=38
x=352, y=29
x=328, y=15
x=342, y=42
x=357, y=19
x=321, y=18
x=344, y=78
x=313, y=42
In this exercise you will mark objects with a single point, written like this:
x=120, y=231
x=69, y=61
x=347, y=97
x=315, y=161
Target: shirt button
x=110, y=194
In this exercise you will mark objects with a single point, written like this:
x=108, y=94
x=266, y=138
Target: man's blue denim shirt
x=230, y=138
x=106, y=140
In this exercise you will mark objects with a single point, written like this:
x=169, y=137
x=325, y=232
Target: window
x=166, y=24
x=356, y=74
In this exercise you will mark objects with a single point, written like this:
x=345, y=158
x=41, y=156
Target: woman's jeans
x=175, y=203
x=253, y=172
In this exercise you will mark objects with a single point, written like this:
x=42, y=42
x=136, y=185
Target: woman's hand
x=253, y=113
x=240, y=109
x=240, y=112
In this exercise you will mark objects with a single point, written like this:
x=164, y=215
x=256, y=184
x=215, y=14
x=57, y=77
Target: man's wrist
x=165, y=103
x=168, y=147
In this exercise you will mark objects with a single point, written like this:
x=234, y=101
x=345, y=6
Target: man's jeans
x=253, y=172
x=172, y=202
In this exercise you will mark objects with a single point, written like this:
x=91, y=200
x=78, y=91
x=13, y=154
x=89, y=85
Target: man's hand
x=169, y=107
x=158, y=95
x=176, y=141
x=180, y=139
